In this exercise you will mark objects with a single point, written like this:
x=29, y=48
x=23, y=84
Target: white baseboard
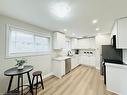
x=98, y=68
x=47, y=75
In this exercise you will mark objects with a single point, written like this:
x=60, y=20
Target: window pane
x=12, y=42
x=41, y=43
x=21, y=42
x=24, y=42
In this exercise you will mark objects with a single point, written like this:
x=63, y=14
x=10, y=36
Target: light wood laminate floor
x=82, y=80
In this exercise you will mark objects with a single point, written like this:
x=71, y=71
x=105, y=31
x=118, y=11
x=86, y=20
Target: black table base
x=14, y=72
x=20, y=79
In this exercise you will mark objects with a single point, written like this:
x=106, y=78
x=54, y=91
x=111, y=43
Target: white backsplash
x=59, y=53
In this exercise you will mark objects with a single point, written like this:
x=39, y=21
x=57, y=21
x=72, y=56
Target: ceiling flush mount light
x=97, y=29
x=73, y=34
x=94, y=21
x=61, y=9
x=65, y=30
x=80, y=37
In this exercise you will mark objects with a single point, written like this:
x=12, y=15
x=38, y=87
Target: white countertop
x=121, y=66
x=61, y=58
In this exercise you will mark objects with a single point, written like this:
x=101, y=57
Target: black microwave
x=113, y=41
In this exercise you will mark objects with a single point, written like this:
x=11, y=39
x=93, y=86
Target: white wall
x=101, y=39
x=42, y=62
x=125, y=56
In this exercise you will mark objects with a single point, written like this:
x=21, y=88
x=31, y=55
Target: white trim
x=28, y=54
x=113, y=91
x=98, y=68
x=28, y=30
x=48, y=75
x=7, y=55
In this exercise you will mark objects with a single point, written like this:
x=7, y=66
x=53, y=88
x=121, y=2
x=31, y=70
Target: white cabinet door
x=88, y=60
x=87, y=43
x=81, y=59
x=58, y=40
x=122, y=33
x=92, y=61
x=59, y=68
x=81, y=44
x=115, y=32
x=116, y=78
x=77, y=60
x=84, y=59
x=74, y=43
x=92, y=43
x=62, y=40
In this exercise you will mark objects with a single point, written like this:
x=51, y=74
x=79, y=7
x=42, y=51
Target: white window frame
x=7, y=55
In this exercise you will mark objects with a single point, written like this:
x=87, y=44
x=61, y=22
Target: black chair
x=36, y=75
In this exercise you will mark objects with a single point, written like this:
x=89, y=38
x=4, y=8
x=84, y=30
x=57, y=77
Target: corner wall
x=101, y=39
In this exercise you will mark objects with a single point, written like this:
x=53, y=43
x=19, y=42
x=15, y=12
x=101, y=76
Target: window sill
x=27, y=54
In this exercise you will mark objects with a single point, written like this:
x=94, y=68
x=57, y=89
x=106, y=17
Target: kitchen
x=65, y=47
x=78, y=51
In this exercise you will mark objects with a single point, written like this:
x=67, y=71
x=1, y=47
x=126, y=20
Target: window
x=25, y=43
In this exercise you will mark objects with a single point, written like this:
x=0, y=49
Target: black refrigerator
x=110, y=55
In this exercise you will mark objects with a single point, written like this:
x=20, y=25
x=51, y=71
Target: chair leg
x=42, y=82
x=31, y=88
x=33, y=81
x=36, y=84
x=21, y=84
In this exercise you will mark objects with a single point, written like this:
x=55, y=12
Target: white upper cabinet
x=92, y=43
x=58, y=40
x=87, y=43
x=120, y=30
x=114, y=32
x=122, y=33
x=84, y=43
x=74, y=43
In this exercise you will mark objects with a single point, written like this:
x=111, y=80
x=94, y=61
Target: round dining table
x=15, y=72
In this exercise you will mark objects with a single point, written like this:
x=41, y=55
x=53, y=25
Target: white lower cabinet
x=92, y=61
x=87, y=60
x=58, y=68
x=58, y=40
x=116, y=77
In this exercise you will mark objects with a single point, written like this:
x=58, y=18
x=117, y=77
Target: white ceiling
x=79, y=21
